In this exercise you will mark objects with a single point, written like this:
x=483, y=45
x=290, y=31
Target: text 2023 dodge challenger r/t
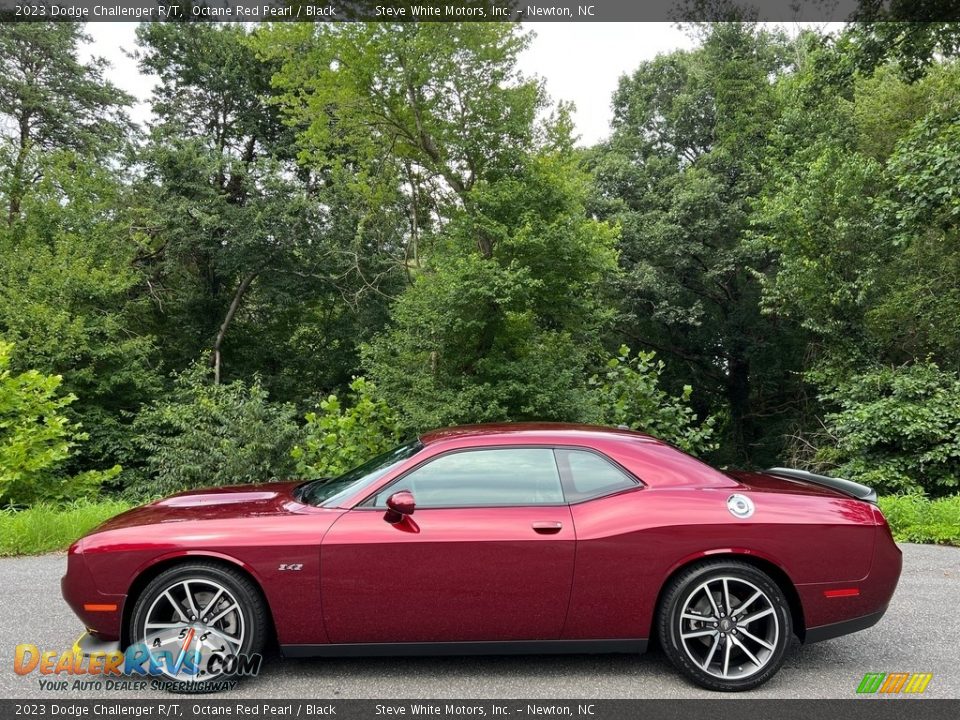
x=532, y=538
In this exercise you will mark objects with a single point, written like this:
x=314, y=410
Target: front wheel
x=201, y=624
x=725, y=625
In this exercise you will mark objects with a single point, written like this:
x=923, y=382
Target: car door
x=487, y=555
x=611, y=587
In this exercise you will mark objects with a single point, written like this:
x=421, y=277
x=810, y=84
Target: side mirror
x=399, y=505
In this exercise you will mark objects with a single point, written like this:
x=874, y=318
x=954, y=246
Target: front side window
x=478, y=478
x=591, y=475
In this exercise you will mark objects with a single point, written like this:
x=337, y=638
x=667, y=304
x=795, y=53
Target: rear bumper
x=844, y=627
x=838, y=608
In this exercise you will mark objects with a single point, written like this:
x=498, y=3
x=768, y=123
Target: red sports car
x=514, y=538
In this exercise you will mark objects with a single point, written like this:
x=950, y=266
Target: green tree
x=861, y=211
x=896, y=429
x=255, y=261
x=52, y=101
x=865, y=224
x=910, y=35
x=507, y=301
x=73, y=301
x=68, y=286
x=440, y=106
x=679, y=175
x=510, y=336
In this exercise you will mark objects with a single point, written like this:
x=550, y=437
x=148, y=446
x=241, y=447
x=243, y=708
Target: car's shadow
x=478, y=676
x=455, y=676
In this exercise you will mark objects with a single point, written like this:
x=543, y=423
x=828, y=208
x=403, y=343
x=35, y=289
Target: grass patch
x=45, y=528
x=914, y=518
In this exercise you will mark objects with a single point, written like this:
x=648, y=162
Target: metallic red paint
x=467, y=574
x=401, y=503
x=591, y=570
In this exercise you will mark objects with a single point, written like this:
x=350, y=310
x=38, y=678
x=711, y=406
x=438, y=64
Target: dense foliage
x=331, y=237
x=897, y=429
x=627, y=393
x=679, y=175
x=202, y=434
x=37, y=439
x=339, y=435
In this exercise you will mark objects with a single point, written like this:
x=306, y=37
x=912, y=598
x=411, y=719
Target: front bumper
x=99, y=612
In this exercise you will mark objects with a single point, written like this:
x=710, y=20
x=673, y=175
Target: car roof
x=542, y=431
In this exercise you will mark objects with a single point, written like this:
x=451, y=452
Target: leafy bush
x=340, y=436
x=915, y=518
x=208, y=435
x=628, y=393
x=897, y=429
x=45, y=527
x=36, y=438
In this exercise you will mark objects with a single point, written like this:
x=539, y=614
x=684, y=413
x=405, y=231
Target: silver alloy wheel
x=729, y=627
x=204, y=606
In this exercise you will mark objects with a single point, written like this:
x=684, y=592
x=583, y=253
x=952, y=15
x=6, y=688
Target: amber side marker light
x=841, y=593
x=100, y=607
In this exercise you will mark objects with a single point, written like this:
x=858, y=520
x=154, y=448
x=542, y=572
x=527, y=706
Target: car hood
x=225, y=503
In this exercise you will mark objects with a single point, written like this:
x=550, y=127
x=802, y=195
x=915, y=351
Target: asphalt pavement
x=920, y=633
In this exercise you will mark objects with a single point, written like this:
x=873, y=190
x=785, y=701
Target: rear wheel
x=195, y=619
x=725, y=625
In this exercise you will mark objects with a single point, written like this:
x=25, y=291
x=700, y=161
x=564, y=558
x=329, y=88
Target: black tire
x=775, y=627
x=248, y=597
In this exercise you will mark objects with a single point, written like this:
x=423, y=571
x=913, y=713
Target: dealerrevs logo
x=194, y=659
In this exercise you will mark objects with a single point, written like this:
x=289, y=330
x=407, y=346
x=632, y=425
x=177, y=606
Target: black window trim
x=565, y=482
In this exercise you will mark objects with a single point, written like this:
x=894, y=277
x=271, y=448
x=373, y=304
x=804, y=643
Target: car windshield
x=329, y=491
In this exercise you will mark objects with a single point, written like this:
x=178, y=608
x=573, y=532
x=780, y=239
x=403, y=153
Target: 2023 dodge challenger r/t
x=531, y=538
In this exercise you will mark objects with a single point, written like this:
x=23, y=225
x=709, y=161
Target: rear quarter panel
x=628, y=545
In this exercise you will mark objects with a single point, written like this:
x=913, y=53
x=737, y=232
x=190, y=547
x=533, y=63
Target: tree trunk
x=231, y=312
x=17, y=183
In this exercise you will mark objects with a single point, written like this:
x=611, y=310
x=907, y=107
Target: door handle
x=550, y=527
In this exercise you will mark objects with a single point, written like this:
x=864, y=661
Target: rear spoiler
x=847, y=487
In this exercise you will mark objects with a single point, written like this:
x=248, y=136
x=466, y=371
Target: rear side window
x=591, y=475
x=483, y=478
